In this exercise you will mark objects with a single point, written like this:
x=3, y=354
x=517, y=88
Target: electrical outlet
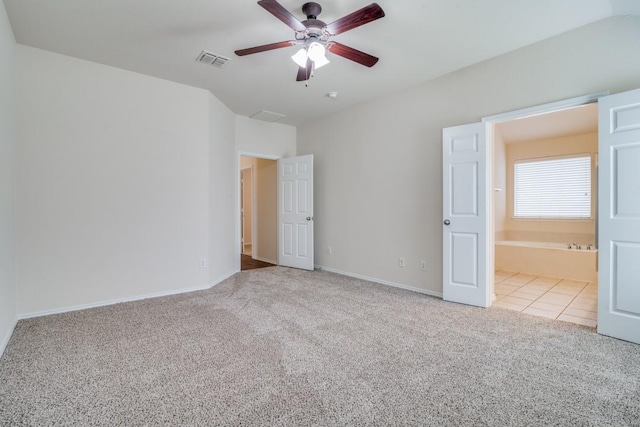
x=203, y=263
x=423, y=265
x=401, y=262
x=329, y=250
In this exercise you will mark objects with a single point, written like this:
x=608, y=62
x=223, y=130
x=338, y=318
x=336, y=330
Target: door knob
x=309, y=218
x=447, y=222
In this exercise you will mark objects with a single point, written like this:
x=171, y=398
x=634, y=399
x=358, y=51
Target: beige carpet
x=285, y=347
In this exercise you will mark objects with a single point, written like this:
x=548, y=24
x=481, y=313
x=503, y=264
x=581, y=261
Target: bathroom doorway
x=545, y=248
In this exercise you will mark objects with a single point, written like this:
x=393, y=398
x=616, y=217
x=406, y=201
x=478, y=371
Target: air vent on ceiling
x=267, y=116
x=212, y=59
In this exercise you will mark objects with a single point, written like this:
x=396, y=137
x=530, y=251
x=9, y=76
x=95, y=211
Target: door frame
x=513, y=115
x=253, y=202
x=238, y=192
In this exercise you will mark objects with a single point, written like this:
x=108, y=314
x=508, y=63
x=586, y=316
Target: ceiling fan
x=314, y=36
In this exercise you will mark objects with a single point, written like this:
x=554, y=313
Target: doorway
x=468, y=232
x=258, y=212
x=468, y=228
x=544, y=214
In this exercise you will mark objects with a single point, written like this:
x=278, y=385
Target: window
x=553, y=188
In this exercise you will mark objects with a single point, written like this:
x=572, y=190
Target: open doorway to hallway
x=258, y=210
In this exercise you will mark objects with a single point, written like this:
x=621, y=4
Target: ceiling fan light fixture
x=314, y=34
x=300, y=57
x=316, y=53
x=320, y=62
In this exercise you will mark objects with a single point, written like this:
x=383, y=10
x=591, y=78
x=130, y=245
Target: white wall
x=7, y=148
x=378, y=193
x=223, y=217
x=258, y=137
x=123, y=184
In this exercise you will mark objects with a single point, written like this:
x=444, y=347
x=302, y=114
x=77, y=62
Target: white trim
x=7, y=337
x=253, y=203
x=545, y=108
x=380, y=281
x=254, y=217
x=120, y=300
x=258, y=155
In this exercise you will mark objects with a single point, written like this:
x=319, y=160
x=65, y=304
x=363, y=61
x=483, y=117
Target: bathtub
x=547, y=259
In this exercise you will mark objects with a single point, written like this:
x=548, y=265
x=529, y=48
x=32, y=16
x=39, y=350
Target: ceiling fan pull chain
x=311, y=74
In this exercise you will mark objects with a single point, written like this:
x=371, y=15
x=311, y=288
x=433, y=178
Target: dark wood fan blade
x=352, y=54
x=356, y=19
x=277, y=10
x=304, y=73
x=265, y=47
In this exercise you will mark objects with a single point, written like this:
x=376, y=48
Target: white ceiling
x=416, y=41
x=573, y=121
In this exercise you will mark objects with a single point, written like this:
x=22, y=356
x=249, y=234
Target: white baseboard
x=380, y=281
x=120, y=300
x=7, y=336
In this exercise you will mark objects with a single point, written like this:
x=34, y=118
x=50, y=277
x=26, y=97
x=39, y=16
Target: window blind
x=553, y=188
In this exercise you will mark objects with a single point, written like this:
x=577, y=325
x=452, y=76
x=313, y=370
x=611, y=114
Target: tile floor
x=563, y=299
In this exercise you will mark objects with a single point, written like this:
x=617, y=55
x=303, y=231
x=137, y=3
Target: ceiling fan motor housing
x=315, y=27
x=311, y=10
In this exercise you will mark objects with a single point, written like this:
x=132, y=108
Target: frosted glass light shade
x=316, y=51
x=321, y=62
x=300, y=58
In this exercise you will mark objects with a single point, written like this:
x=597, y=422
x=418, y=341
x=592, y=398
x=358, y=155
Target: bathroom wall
x=499, y=185
x=561, y=231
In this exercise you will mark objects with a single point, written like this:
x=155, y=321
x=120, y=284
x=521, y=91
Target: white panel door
x=295, y=212
x=619, y=216
x=465, y=215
